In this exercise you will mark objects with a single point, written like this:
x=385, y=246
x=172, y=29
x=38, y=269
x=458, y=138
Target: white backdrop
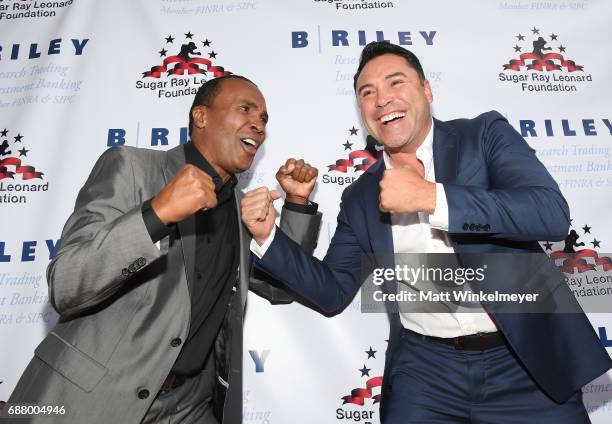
x=79, y=76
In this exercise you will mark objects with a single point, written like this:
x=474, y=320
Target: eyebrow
x=249, y=103
x=393, y=75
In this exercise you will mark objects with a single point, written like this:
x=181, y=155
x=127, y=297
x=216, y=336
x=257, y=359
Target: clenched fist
x=190, y=190
x=258, y=212
x=297, y=179
x=404, y=190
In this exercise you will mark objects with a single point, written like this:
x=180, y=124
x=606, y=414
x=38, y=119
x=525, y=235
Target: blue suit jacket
x=500, y=199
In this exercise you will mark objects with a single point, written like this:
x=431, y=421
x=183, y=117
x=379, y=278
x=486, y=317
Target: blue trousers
x=432, y=383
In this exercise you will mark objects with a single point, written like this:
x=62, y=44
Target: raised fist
x=404, y=190
x=297, y=179
x=258, y=212
x=190, y=190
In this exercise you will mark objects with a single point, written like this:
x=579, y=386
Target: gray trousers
x=189, y=403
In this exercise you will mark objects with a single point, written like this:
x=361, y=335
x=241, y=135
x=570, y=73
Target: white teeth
x=249, y=141
x=391, y=116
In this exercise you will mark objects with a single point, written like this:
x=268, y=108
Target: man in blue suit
x=460, y=187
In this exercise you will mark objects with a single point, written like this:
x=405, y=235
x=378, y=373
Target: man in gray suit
x=152, y=275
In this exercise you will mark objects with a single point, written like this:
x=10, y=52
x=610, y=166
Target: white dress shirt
x=424, y=233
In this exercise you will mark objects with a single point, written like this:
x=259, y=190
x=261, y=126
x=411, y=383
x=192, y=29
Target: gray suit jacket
x=122, y=300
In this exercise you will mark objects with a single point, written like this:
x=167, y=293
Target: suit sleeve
x=331, y=283
x=303, y=229
x=104, y=243
x=522, y=202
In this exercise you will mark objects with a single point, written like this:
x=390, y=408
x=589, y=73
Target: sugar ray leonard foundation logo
x=18, y=177
x=588, y=272
x=182, y=72
x=344, y=170
x=357, y=4
x=362, y=403
x=542, y=64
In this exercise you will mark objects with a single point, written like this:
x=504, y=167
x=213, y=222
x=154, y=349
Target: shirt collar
x=424, y=152
x=194, y=157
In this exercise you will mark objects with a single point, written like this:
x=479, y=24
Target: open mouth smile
x=391, y=117
x=250, y=144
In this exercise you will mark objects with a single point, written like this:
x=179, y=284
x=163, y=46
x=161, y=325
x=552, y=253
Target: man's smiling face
x=233, y=127
x=394, y=103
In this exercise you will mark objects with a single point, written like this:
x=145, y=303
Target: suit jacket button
x=478, y=227
x=465, y=227
x=176, y=342
x=486, y=227
x=132, y=268
x=125, y=272
x=142, y=261
x=472, y=227
x=143, y=394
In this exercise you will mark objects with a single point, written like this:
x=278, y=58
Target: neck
x=400, y=159
x=407, y=153
x=211, y=159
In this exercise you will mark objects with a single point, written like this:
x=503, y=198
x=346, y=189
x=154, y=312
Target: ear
x=428, y=92
x=200, y=116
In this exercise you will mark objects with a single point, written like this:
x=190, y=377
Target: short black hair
x=208, y=91
x=378, y=48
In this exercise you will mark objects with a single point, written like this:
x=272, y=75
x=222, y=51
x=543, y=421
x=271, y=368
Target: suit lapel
x=245, y=242
x=175, y=160
x=378, y=223
x=188, y=243
x=186, y=228
x=445, y=152
x=381, y=241
x=446, y=159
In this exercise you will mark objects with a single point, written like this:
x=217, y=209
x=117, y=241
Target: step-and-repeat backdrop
x=80, y=76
